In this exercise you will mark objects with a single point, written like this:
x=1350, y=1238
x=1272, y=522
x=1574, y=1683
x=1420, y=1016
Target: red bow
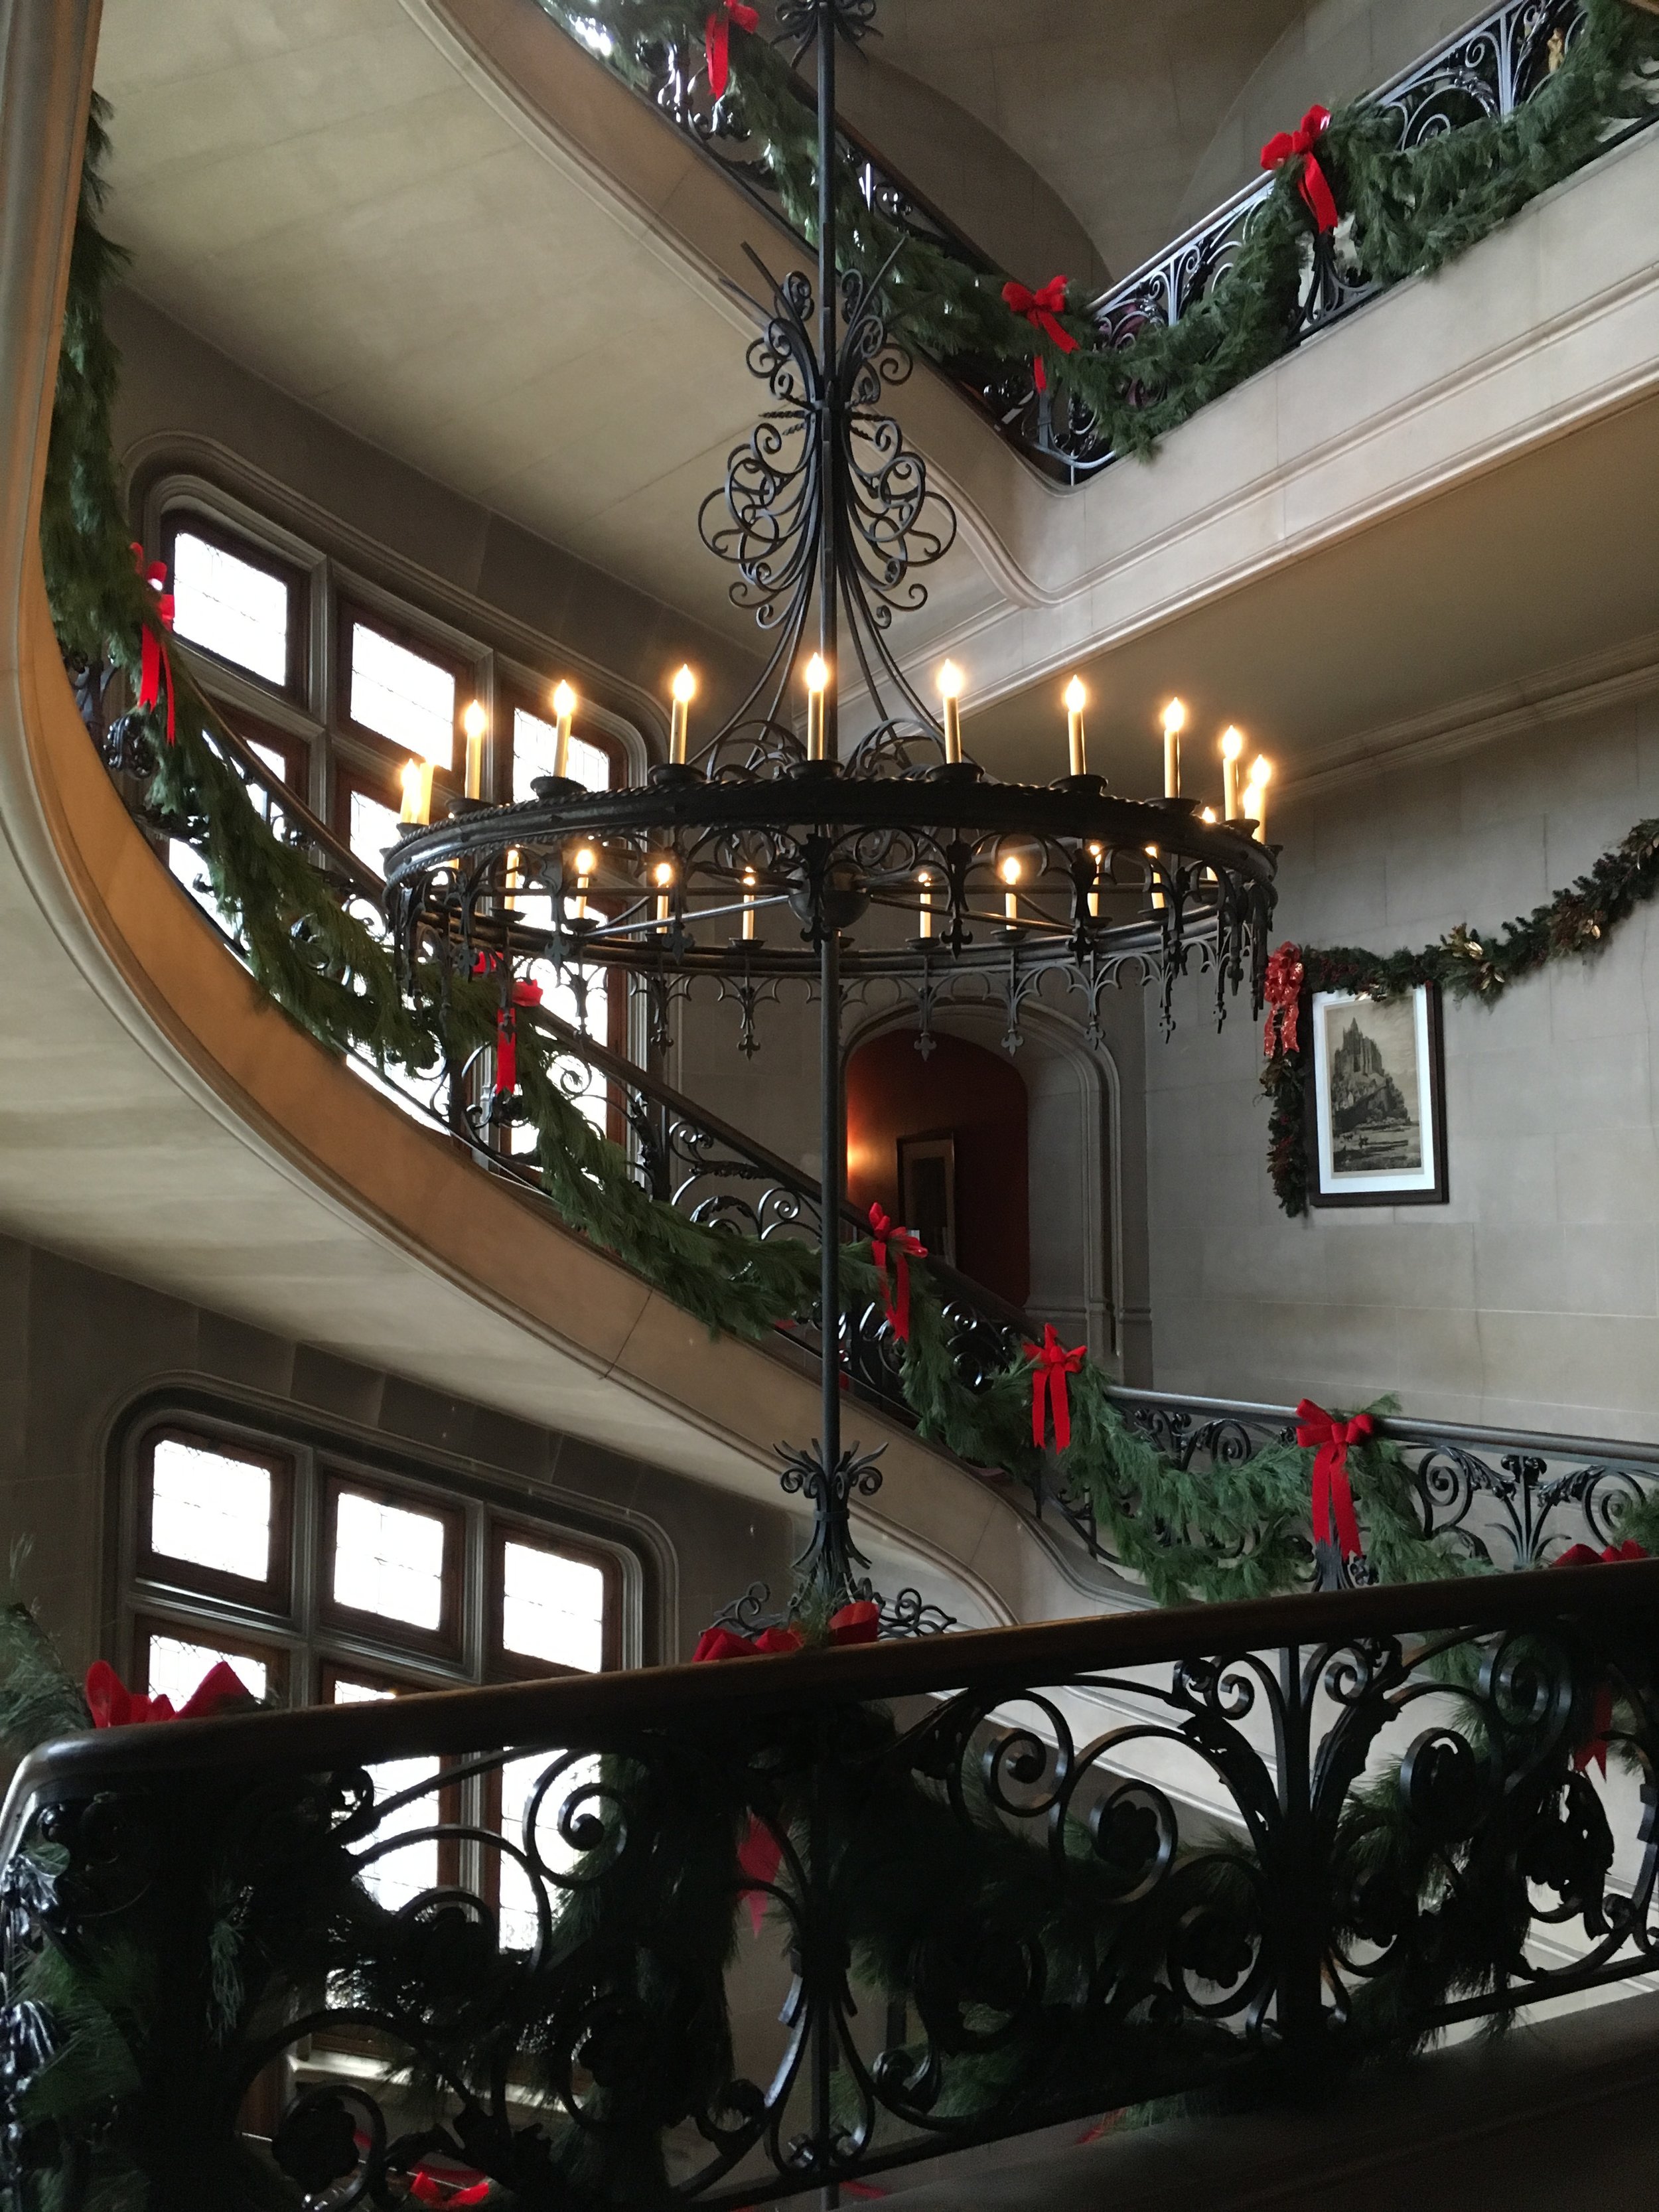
x=717, y=42
x=907, y=1246
x=112, y=1705
x=1054, y=1365
x=760, y=1855
x=1594, y=1746
x=1286, y=976
x=1333, y=1493
x=507, y=1038
x=1043, y=310
x=156, y=659
x=429, y=2188
x=1315, y=186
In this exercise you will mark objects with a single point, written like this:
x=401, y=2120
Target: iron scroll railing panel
x=1508, y=1498
x=1486, y=71
x=1003, y=1880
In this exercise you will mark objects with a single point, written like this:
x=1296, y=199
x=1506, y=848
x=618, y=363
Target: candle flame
x=1232, y=743
x=1262, y=770
x=685, y=688
x=475, y=721
x=1208, y=814
x=949, y=681
x=1011, y=871
x=413, y=780
x=923, y=877
x=817, y=674
x=564, y=700
x=1076, y=697
x=749, y=880
x=664, y=873
x=1175, y=717
x=587, y=860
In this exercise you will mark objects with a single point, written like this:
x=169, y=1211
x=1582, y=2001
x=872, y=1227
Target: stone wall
x=1533, y=1296
x=79, y=1349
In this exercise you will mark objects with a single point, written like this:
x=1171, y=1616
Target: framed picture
x=1377, y=1102
x=927, y=1192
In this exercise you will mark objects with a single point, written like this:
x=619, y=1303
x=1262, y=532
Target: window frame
x=296, y=684
x=445, y=1642
x=501, y=1665
x=348, y=609
x=237, y=1642
x=273, y=1598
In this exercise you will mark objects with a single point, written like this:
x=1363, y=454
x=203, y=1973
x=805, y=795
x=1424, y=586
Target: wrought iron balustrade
x=1003, y=1880
x=1488, y=70
x=1508, y=1498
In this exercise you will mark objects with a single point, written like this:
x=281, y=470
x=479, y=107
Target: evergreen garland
x=1231, y=1532
x=1464, y=963
x=1409, y=212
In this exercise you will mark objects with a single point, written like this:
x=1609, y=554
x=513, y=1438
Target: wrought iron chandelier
x=778, y=852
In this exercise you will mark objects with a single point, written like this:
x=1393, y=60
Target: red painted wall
x=977, y=1097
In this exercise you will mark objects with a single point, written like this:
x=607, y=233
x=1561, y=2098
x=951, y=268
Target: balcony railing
x=999, y=1881
x=1495, y=66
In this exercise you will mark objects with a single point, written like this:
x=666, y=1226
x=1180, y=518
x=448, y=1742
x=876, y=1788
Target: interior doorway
x=942, y=1144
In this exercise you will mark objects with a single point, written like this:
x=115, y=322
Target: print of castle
x=1364, y=1095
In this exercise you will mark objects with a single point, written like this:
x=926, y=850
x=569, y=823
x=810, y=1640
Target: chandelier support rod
x=829, y=423
x=832, y=1171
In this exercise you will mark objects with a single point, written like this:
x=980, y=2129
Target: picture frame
x=927, y=1192
x=1376, y=1099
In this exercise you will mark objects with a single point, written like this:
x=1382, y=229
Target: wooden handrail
x=595, y=1709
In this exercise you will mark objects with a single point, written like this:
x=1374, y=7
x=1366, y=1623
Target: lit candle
x=1232, y=744
x=586, y=864
x=925, y=903
x=509, y=880
x=1096, y=852
x=476, y=723
x=950, y=690
x=1011, y=877
x=1076, y=699
x=749, y=906
x=1255, y=792
x=1175, y=721
x=417, y=792
x=663, y=874
x=685, y=688
x=1158, y=888
x=1206, y=814
x=564, y=712
x=817, y=682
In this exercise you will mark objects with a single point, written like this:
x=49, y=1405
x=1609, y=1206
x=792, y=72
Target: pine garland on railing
x=1233, y=1532
x=1464, y=963
x=1409, y=211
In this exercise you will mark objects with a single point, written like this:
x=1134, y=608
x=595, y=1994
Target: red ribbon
x=507, y=1038
x=112, y=1705
x=1594, y=1746
x=1054, y=1365
x=156, y=661
x=1333, y=1493
x=1286, y=976
x=906, y=1246
x=717, y=42
x=1043, y=310
x=761, y=1853
x=426, y=2187
x=1315, y=184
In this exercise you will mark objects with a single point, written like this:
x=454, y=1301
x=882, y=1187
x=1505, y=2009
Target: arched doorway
x=942, y=1143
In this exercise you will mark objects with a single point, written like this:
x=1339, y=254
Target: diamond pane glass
x=240, y=612
x=388, y=1560
x=176, y=1668
x=403, y=695
x=552, y=1608
x=211, y=1510
x=535, y=743
x=412, y=1869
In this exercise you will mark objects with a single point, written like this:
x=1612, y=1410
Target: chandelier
x=777, y=851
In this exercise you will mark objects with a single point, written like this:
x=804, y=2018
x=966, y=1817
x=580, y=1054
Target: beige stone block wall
x=1532, y=1297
